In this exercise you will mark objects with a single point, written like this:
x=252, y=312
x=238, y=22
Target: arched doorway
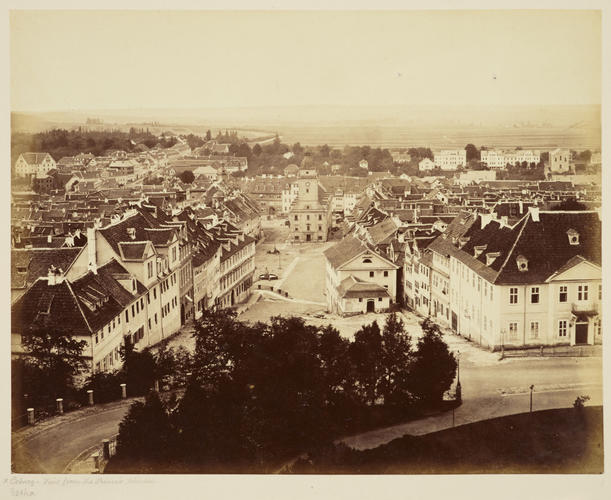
x=371, y=306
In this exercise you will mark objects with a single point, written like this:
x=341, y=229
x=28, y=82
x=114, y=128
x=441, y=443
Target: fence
x=554, y=351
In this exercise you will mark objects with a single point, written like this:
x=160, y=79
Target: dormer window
x=491, y=257
x=367, y=261
x=462, y=241
x=478, y=250
x=131, y=232
x=573, y=237
x=522, y=263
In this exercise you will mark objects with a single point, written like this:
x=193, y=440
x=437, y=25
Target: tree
x=434, y=366
x=138, y=370
x=56, y=357
x=212, y=359
x=146, y=432
x=472, y=152
x=256, y=150
x=187, y=176
x=297, y=149
x=366, y=355
x=396, y=360
x=208, y=135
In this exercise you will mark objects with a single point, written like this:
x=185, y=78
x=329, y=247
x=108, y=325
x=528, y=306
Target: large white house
x=500, y=159
x=32, y=164
x=358, y=279
x=560, y=161
x=450, y=159
x=537, y=282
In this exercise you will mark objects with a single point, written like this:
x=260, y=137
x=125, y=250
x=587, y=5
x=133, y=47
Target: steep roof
x=344, y=251
x=544, y=244
x=34, y=158
x=29, y=264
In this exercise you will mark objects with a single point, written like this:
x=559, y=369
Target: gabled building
x=105, y=309
x=358, y=279
x=536, y=282
x=32, y=164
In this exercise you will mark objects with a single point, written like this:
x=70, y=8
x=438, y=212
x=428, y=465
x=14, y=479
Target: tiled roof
x=132, y=250
x=34, y=158
x=27, y=265
x=353, y=287
x=344, y=251
x=544, y=244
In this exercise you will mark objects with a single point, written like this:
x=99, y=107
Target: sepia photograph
x=305, y=242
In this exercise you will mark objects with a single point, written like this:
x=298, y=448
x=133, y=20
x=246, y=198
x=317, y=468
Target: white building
x=560, y=161
x=358, y=280
x=426, y=164
x=32, y=164
x=451, y=159
x=500, y=159
x=535, y=283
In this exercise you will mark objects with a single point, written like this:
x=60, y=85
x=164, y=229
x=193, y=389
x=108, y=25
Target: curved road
x=488, y=391
x=51, y=450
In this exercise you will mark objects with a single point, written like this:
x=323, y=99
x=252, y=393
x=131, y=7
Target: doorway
x=371, y=306
x=581, y=333
x=308, y=237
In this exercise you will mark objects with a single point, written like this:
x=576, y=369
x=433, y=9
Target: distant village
x=130, y=247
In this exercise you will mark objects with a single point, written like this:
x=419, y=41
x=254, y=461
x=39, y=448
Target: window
x=534, y=329
x=360, y=299
x=534, y=295
x=133, y=313
x=366, y=261
x=563, y=295
x=513, y=295
x=385, y=274
x=96, y=338
x=127, y=316
x=142, y=303
x=371, y=274
x=155, y=293
x=582, y=292
x=296, y=217
x=513, y=331
x=379, y=299
x=562, y=328
x=319, y=217
x=137, y=307
x=491, y=289
x=600, y=292
x=308, y=217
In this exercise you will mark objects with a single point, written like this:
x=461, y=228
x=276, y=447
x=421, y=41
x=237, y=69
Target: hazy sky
x=66, y=60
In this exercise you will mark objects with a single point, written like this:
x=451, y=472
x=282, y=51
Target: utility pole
x=531, y=398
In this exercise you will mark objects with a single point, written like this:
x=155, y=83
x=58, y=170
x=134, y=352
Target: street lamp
x=458, y=386
x=531, y=398
x=502, y=343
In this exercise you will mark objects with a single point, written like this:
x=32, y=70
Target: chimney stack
x=92, y=259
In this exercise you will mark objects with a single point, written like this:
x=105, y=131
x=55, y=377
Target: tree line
x=257, y=394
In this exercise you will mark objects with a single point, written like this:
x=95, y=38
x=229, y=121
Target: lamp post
x=502, y=343
x=531, y=398
x=458, y=386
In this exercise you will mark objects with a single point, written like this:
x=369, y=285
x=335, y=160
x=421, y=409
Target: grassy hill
x=546, y=442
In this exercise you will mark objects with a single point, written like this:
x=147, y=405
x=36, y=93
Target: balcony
x=585, y=308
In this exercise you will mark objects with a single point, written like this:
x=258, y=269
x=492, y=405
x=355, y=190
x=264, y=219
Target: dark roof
x=29, y=264
x=80, y=307
x=543, y=243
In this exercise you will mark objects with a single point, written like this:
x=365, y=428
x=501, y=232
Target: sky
x=70, y=60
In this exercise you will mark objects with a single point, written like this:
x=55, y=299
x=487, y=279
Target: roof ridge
x=515, y=243
x=78, y=303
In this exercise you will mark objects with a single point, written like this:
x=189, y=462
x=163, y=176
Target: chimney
x=131, y=232
x=92, y=258
x=534, y=213
x=55, y=276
